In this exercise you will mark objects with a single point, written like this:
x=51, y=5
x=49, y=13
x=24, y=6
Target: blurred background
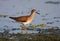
x=49, y=17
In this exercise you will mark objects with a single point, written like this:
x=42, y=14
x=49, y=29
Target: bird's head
x=35, y=11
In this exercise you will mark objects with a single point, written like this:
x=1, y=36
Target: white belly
x=28, y=22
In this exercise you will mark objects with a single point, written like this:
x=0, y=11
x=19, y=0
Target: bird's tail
x=12, y=17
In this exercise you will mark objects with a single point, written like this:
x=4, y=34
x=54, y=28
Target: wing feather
x=20, y=19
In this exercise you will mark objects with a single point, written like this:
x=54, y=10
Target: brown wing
x=20, y=19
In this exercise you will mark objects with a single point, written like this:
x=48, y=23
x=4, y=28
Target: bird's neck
x=32, y=14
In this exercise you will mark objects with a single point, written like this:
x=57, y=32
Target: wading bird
x=24, y=20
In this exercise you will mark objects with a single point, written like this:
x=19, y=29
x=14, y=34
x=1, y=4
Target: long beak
x=38, y=13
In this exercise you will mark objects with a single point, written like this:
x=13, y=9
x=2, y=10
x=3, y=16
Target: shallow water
x=49, y=13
